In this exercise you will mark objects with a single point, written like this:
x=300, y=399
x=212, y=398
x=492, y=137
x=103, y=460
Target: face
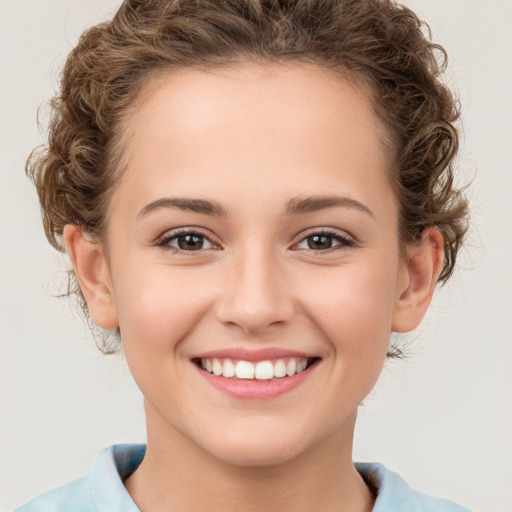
x=254, y=233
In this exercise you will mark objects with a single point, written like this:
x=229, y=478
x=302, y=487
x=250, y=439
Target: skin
x=255, y=139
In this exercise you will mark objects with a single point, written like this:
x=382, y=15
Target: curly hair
x=377, y=42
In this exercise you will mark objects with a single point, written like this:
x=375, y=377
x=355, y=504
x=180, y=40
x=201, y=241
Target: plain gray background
x=442, y=419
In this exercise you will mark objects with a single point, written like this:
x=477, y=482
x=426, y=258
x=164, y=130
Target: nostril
x=255, y=319
x=255, y=298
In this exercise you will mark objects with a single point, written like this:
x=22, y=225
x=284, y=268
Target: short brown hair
x=378, y=42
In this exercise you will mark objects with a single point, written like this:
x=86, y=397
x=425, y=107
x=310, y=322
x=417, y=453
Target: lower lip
x=256, y=389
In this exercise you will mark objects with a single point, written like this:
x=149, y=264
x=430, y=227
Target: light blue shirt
x=101, y=489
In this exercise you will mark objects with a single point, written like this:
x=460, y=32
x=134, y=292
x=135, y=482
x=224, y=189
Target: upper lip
x=245, y=354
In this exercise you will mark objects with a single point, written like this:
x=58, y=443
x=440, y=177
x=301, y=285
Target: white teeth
x=291, y=367
x=228, y=369
x=262, y=370
x=216, y=367
x=280, y=369
x=244, y=370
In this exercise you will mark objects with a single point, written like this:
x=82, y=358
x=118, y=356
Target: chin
x=257, y=451
x=257, y=456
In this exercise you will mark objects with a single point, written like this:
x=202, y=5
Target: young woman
x=253, y=196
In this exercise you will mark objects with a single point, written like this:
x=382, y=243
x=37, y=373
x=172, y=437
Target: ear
x=421, y=271
x=93, y=276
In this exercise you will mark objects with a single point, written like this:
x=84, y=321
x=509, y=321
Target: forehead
x=256, y=95
x=245, y=127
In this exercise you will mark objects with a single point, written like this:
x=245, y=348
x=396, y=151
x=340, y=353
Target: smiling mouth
x=267, y=370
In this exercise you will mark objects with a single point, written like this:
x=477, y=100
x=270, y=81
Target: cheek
x=353, y=306
x=158, y=307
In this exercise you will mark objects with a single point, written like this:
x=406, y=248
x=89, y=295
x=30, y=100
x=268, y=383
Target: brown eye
x=320, y=242
x=190, y=242
x=325, y=241
x=186, y=241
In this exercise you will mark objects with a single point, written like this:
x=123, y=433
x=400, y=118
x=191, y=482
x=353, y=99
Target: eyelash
x=164, y=242
x=344, y=241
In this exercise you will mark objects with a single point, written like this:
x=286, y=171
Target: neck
x=176, y=474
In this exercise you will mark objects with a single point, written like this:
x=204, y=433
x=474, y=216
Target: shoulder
x=101, y=489
x=73, y=496
x=394, y=495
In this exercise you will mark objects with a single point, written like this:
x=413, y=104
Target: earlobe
x=421, y=271
x=93, y=276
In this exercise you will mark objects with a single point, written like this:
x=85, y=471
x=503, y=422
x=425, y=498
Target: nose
x=256, y=295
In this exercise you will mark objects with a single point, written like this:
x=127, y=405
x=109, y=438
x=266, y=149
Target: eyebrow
x=297, y=205
x=186, y=204
x=301, y=205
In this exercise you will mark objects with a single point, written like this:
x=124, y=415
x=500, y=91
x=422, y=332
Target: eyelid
x=170, y=234
x=346, y=240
